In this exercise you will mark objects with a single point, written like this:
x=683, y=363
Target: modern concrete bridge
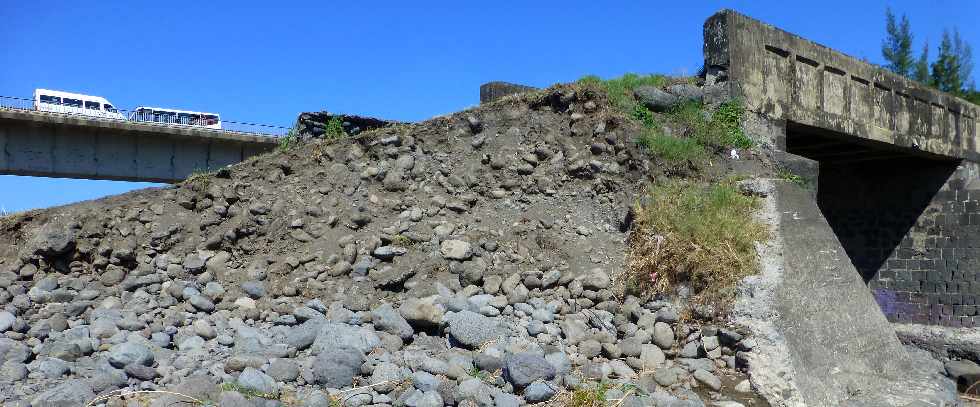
x=74, y=146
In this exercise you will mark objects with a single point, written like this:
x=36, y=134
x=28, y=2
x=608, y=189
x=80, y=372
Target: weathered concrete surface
x=492, y=91
x=52, y=145
x=788, y=78
x=843, y=350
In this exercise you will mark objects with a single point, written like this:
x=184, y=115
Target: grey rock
x=425, y=381
x=53, y=368
x=473, y=330
x=336, y=367
x=690, y=350
x=668, y=315
x=663, y=335
x=560, y=361
x=709, y=379
x=487, y=363
x=686, y=92
x=709, y=343
x=654, y=98
x=303, y=335
x=524, y=368
x=596, y=279
x=474, y=390
x=388, y=320
x=388, y=373
x=12, y=372
x=72, y=393
x=389, y=252
x=667, y=377
x=651, y=356
x=333, y=335
x=538, y=391
x=201, y=303
x=422, y=313
x=53, y=239
x=254, y=289
x=424, y=399
x=140, y=372
x=574, y=330
x=456, y=250
x=283, y=370
x=964, y=372
x=203, y=329
x=253, y=379
x=6, y=321
x=127, y=353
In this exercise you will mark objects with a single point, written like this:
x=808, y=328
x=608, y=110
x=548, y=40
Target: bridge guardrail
x=18, y=103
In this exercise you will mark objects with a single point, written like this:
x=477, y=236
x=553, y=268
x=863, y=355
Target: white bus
x=74, y=103
x=172, y=116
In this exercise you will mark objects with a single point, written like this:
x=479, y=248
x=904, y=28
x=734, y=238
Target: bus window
x=92, y=105
x=107, y=107
x=71, y=102
x=54, y=100
x=210, y=120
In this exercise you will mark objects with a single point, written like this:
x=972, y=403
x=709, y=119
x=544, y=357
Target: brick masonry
x=912, y=229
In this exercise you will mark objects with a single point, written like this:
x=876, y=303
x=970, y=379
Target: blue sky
x=251, y=61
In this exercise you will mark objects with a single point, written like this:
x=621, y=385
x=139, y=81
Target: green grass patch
x=289, y=140
x=700, y=234
x=702, y=131
x=590, y=396
x=334, y=129
x=248, y=393
x=620, y=90
x=787, y=175
x=670, y=148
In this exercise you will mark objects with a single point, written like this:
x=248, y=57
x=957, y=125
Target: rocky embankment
x=467, y=260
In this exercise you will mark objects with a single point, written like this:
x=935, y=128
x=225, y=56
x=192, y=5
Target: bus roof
x=61, y=94
x=174, y=110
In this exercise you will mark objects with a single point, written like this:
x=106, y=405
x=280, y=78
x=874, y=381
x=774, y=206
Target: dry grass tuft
x=694, y=233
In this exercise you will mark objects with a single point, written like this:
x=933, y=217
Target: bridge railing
x=124, y=115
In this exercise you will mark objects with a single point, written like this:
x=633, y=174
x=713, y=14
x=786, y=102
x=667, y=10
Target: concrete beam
x=786, y=77
x=54, y=145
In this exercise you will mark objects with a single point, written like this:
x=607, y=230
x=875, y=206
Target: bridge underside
x=38, y=144
x=908, y=220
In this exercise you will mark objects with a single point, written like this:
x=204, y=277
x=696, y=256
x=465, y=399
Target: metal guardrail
x=130, y=116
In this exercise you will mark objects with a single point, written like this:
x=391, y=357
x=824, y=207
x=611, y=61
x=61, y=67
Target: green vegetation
x=951, y=70
x=248, y=393
x=620, y=90
x=703, y=234
x=335, y=129
x=787, y=175
x=701, y=132
x=670, y=148
x=590, y=396
x=289, y=140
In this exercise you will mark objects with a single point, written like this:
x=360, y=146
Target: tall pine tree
x=946, y=69
x=920, y=71
x=897, y=46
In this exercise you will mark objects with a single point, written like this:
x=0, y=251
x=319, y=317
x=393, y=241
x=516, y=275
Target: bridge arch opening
x=909, y=221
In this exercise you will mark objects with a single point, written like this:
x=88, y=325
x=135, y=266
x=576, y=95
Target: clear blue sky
x=267, y=61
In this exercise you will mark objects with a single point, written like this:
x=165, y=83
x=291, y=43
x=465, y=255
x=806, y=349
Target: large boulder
x=128, y=353
x=523, y=369
x=387, y=319
x=72, y=393
x=654, y=98
x=335, y=335
x=336, y=367
x=472, y=330
x=53, y=239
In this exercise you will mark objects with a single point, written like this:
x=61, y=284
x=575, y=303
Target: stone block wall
x=912, y=229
